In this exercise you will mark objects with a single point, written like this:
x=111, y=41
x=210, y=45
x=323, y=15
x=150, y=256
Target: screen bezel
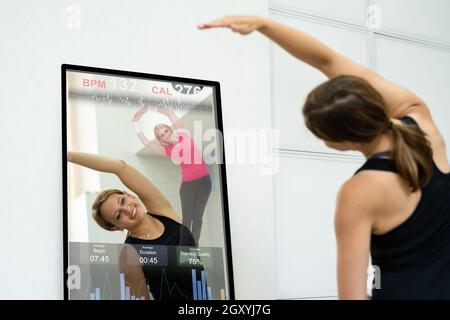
x=148, y=76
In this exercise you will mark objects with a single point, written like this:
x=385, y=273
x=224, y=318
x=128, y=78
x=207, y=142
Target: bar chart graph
x=200, y=289
x=125, y=291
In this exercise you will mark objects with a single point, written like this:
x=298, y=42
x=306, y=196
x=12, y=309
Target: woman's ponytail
x=412, y=155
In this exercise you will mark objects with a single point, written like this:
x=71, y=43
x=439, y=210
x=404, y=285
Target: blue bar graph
x=127, y=293
x=194, y=284
x=122, y=286
x=199, y=290
x=205, y=297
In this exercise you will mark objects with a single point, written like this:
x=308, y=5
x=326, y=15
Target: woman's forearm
x=297, y=43
x=96, y=162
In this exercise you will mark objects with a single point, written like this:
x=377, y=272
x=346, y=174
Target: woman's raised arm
x=399, y=101
x=172, y=117
x=148, y=193
x=310, y=50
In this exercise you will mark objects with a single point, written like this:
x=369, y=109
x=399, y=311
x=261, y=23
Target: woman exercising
x=195, y=185
x=397, y=205
x=154, y=222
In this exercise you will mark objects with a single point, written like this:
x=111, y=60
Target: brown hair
x=96, y=206
x=348, y=108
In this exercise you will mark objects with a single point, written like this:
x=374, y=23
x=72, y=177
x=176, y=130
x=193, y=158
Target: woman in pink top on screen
x=180, y=147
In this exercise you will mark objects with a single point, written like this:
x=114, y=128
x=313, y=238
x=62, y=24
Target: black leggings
x=194, y=195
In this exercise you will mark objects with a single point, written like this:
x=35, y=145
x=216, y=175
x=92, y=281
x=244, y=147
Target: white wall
x=157, y=37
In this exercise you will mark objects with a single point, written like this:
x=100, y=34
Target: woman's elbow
x=120, y=166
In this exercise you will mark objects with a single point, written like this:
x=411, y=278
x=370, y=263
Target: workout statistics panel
x=145, y=195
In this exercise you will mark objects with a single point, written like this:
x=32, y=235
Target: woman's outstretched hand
x=139, y=113
x=241, y=24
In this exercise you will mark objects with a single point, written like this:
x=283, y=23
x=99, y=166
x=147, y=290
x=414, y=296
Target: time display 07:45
x=97, y=258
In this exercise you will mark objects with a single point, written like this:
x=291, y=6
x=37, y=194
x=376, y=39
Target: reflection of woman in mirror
x=397, y=205
x=195, y=182
x=154, y=222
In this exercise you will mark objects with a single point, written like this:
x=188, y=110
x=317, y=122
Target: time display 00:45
x=148, y=260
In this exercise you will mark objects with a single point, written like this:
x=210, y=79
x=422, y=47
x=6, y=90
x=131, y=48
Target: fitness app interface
x=169, y=131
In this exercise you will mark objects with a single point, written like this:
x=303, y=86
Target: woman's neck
x=147, y=226
x=382, y=143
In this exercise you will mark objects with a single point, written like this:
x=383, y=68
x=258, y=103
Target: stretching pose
x=154, y=222
x=397, y=205
x=195, y=181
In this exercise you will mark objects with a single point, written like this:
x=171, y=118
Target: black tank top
x=175, y=234
x=168, y=281
x=414, y=257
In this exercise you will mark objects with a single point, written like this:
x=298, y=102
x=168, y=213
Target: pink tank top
x=189, y=157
